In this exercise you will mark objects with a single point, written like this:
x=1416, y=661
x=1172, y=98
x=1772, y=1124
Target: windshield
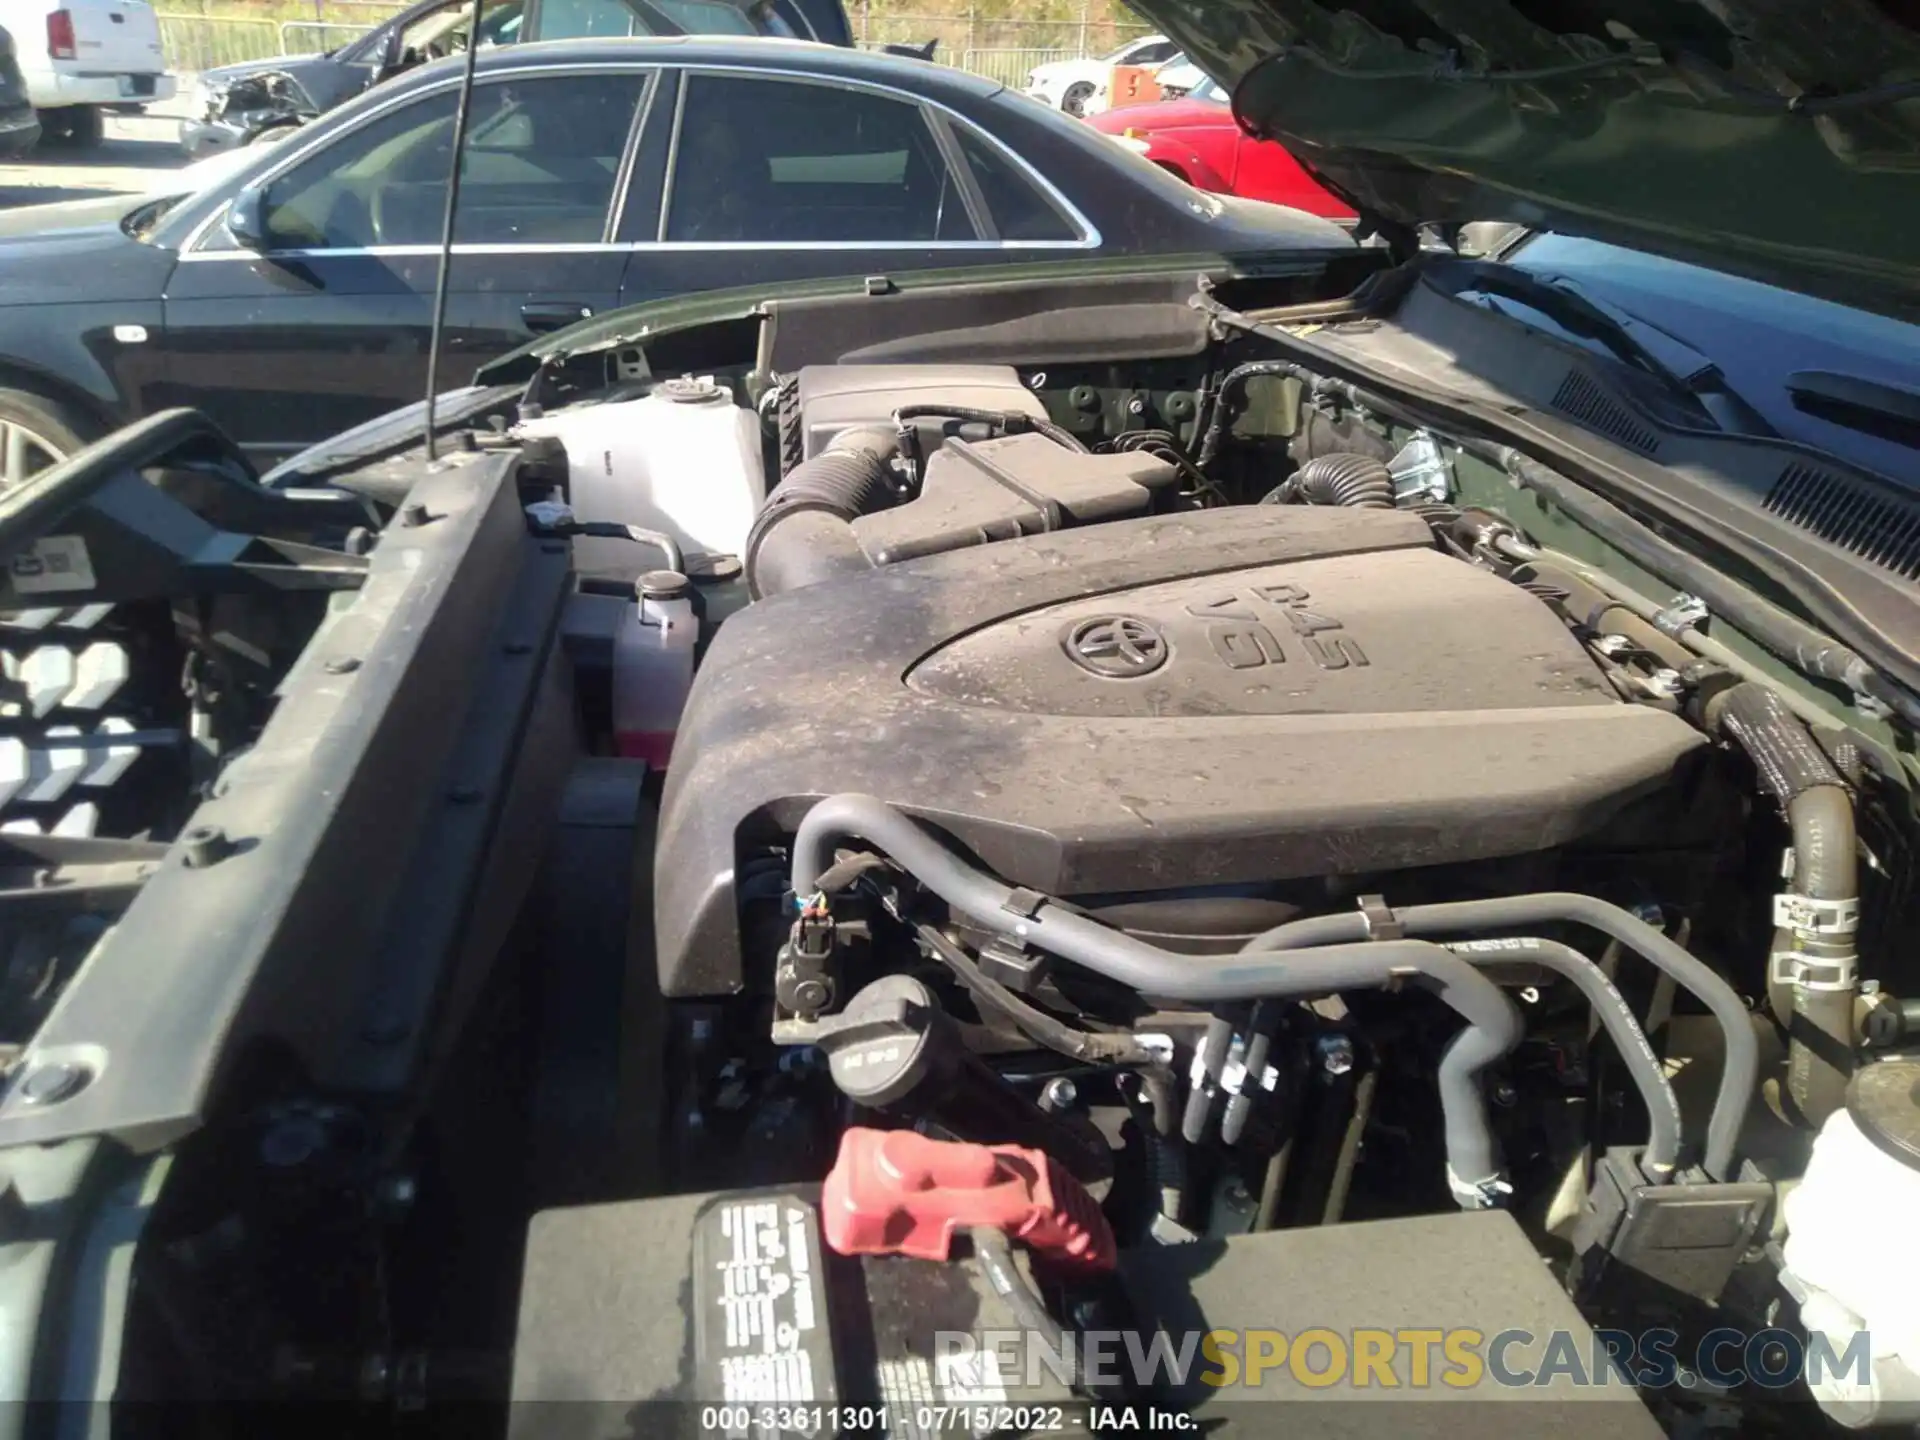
x=444, y=32
x=1822, y=373
x=707, y=17
x=1210, y=91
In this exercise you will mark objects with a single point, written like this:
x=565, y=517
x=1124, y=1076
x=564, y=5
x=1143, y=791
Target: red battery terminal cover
x=895, y=1192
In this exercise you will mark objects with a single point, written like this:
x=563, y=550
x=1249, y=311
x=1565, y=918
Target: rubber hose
x=1781, y=633
x=1784, y=634
x=1493, y=1022
x=1649, y=1075
x=1356, y=480
x=1034, y=1023
x=1151, y=1107
x=1798, y=773
x=1210, y=1061
x=668, y=547
x=1740, y=1073
x=1321, y=433
x=1785, y=755
x=804, y=533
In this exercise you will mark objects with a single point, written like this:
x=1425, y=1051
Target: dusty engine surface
x=1170, y=701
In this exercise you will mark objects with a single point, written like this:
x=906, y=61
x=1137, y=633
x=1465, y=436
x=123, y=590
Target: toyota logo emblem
x=1117, y=647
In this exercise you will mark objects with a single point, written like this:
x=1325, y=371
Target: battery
x=724, y=1315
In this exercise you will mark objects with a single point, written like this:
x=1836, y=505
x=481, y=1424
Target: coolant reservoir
x=653, y=666
x=1851, y=1259
x=684, y=459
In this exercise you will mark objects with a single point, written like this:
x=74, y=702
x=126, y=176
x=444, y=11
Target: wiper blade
x=1688, y=373
x=1570, y=309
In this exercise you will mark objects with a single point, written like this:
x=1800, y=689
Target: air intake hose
x=1361, y=481
x=804, y=533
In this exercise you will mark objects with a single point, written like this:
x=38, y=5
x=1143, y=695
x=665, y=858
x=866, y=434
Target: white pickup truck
x=82, y=58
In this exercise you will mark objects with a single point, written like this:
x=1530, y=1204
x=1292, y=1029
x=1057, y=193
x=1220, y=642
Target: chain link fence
x=999, y=48
x=193, y=43
x=195, y=39
x=305, y=37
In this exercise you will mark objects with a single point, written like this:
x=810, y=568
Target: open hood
x=1776, y=138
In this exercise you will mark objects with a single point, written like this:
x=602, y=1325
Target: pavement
x=137, y=151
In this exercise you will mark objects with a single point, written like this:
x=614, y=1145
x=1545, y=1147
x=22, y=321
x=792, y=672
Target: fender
x=1171, y=153
x=80, y=360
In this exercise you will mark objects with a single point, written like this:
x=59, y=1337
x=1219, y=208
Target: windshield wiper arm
x=1872, y=407
x=1688, y=373
x=1574, y=312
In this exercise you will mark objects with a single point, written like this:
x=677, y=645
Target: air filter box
x=833, y=398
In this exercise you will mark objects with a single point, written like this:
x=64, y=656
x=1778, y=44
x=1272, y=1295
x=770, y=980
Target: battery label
x=937, y=1401
x=760, y=1305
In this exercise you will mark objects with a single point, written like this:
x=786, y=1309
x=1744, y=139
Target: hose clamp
x=1022, y=902
x=1237, y=1079
x=1682, y=612
x=1158, y=1048
x=1488, y=1193
x=1830, y=973
x=1381, y=922
x=1806, y=916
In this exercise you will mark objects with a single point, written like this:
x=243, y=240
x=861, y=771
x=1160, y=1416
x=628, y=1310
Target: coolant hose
x=1741, y=1070
x=1493, y=1022
x=1814, y=972
x=1360, y=481
x=804, y=533
x=1649, y=1075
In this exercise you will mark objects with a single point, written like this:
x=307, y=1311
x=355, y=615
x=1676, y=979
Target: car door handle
x=542, y=316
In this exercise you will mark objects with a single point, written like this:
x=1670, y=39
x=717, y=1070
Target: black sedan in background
x=292, y=299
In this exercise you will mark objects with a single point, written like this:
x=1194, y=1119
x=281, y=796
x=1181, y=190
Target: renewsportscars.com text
x=1409, y=1358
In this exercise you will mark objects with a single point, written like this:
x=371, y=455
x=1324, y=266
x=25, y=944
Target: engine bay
x=948, y=866
x=1266, y=847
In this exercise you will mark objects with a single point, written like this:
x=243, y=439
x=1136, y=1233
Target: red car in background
x=1195, y=137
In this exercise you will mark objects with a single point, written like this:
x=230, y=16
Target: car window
x=582, y=19
x=539, y=168
x=443, y=32
x=773, y=160
x=1019, y=209
x=708, y=17
x=1151, y=53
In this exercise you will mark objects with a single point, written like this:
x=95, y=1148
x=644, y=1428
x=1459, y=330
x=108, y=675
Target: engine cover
x=1199, y=699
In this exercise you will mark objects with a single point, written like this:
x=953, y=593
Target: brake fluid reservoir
x=653, y=666
x=683, y=459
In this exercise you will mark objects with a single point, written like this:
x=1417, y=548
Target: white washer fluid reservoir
x=683, y=459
